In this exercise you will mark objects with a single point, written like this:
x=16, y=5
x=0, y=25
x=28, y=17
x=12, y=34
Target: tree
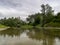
x=57, y=18
x=34, y=19
x=47, y=14
x=12, y=22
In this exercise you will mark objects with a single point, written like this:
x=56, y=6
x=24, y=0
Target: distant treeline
x=12, y=22
x=45, y=18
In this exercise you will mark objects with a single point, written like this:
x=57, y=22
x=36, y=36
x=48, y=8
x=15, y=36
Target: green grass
x=38, y=26
x=52, y=24
x=26, y=27
x=2, y=26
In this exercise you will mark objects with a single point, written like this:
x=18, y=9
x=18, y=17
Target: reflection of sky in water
x=22, y=40
x=7, y=39
x=57, y=41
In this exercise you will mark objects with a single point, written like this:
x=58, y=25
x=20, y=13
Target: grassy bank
x=2, y=26
x=51, y=24
x=26, y=27
x=47, y=26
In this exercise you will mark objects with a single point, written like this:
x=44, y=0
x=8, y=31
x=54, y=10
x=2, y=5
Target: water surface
x=30, y=37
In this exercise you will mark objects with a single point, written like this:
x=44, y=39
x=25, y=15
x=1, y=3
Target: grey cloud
x=1, y=15
x=23, y=8
x=10, y=3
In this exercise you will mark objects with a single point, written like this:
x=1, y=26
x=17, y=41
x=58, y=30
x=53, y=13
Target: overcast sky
x=22, y=8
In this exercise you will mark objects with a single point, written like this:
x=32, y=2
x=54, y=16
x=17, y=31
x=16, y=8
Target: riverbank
x=38, y=27
x=27, y=27
x=52, y=24
x=3, y=27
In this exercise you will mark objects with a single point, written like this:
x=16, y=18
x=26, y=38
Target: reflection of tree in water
x=34, y=34
x=11, y=32
x=47, y=36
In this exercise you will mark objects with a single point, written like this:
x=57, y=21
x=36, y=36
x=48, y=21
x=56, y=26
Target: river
x=29, y=37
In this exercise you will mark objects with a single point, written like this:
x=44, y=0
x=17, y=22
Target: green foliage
x=12, y=22
x=57, y=18
x=37, y=20
x=47, y=14
x=34, y=19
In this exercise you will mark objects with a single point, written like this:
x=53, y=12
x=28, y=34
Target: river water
x=29, y=37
